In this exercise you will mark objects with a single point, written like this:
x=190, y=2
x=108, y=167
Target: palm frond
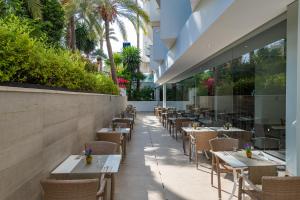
x=122, y=28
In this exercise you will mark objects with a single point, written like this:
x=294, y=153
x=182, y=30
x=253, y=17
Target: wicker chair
x=129, y=122
x=200, y=141
x=103, y=147
x=85, y=189
x=185, y=137
x=254, y=179
x=112, y=137
x=221, y=144
x=124, y=125
x=275, y=188
x=178, y=125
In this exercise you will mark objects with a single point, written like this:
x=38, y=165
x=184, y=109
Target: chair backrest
x=110, y=137
x=203, y=138
x=244, y=137
x=281, y=188
x=178, y=122
x=103, y=147
x=121, y=125
x=224, y=144
x=85, y=189
x=187, y=123
x=122, y=121
x=255, y=174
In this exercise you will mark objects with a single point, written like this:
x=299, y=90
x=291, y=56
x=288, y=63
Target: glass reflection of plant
x=270, y=64
x=205, y=83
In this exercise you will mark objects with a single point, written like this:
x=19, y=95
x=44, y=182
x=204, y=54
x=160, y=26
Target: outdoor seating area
x=91, y=175
x=230, y=150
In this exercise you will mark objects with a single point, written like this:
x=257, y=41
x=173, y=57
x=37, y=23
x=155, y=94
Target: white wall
x=147, y=106
x=173, y=16
x=40, y=128
x=159, y=49
x=292, y=156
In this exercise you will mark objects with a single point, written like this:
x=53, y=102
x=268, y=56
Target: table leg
x=124, y=145
x=235, y=183
x=183, y=143
x=112, y=186
x=190, y=149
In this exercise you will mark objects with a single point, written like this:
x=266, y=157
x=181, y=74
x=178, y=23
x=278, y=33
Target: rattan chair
x=120, y=120
x=178, y=125
x=185, y=137
x=124, y=125
x=275, y=188
x=248, y=184
x=85, y=189
x=103, y=147
x=112, y=137
x=218, y=166
x=200, y=141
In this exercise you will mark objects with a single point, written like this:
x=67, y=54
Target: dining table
x=239, y=162
x=75, y=167
x=130, y=120
x=125, y=132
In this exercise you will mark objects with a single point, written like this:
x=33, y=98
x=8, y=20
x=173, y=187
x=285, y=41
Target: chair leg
x=212, y=172
x=183, y=145
x=197, y=160
x=219, y=180
x=240, y=188
x=207, y=157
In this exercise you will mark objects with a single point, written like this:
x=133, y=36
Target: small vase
x=249, y=154
x=88, y=160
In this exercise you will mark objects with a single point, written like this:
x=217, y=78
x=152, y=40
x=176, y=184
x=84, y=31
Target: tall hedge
x=26, y=59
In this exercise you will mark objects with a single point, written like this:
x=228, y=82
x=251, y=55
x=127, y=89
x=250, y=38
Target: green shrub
x=26, y=59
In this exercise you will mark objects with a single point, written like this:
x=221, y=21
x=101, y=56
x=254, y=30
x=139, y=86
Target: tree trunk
x=110, y=53
x=138, y=84
x=100, y=58
x=71, y=40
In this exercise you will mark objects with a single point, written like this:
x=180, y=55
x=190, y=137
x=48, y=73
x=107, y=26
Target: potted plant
x=227, y=126
x=88, y=155
x=195, y=125
x=248, y=150
x=114, y=126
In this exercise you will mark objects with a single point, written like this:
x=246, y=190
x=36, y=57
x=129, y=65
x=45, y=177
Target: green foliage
x=117, y=59
x=84, y=40
x=47, y=17
x=53, y=20
x=145, y=94
x=26, y=59
x=131, y=63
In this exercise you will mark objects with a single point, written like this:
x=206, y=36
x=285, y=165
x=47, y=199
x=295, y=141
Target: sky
x=131, y=37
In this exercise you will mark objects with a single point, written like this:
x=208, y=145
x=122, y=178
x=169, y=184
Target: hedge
x=26, y=58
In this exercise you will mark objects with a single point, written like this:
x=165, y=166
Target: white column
x=293, y=90
x=164, y=95
x=298, y=94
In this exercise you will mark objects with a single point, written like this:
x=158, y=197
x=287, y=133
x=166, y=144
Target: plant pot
x=88, y=160
x=249, y=154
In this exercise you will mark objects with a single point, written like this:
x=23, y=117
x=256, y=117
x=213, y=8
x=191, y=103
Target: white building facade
x=237, y=57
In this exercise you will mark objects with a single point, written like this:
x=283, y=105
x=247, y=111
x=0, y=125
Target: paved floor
x=156, y=168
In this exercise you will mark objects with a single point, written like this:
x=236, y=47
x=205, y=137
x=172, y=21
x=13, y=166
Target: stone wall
x=40, y=128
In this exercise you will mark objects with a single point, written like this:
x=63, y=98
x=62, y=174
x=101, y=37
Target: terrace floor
x=156, y=168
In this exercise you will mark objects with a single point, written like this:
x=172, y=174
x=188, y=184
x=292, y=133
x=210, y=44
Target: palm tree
x=76, y=10
x=111, y=11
